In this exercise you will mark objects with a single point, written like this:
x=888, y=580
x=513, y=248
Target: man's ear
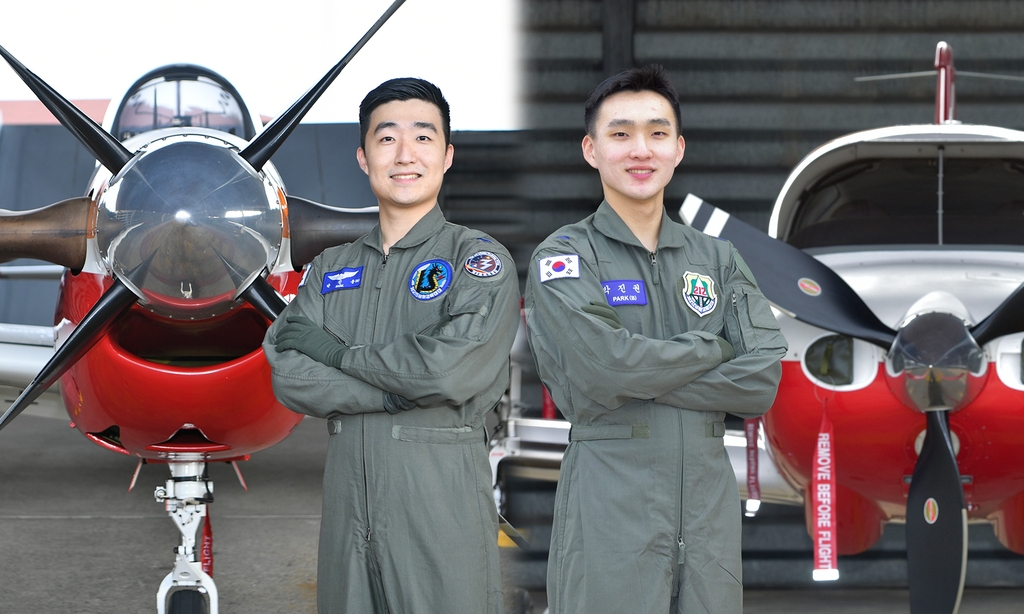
x=361, y=158
x=682, y=149
x=448, y=156
x=588, y=151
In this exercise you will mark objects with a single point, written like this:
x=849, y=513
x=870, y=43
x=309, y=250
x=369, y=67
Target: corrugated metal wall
x=762, y=82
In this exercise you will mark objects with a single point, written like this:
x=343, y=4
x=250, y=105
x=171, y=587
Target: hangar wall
x=762, y=83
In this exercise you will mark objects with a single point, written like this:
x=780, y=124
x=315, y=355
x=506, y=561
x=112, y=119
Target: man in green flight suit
x=646, y=332
x=401, y=340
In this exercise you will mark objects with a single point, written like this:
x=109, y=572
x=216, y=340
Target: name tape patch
x=625, y=292
x=558, y=267
x=344, y=279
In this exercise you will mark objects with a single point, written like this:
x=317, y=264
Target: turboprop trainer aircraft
x=174, y=264
x=895, y=263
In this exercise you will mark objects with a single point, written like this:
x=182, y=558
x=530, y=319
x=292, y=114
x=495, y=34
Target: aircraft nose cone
x=204, y=221
x=935, y=364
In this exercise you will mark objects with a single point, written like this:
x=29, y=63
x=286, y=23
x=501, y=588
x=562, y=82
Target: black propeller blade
x=261, y=295
x=1006, y=319
x=260, y=150
x=936, y=525
x=791, y=278
x=115, y=301
x=108, y=150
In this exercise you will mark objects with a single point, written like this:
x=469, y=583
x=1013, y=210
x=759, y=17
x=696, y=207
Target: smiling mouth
x=405, y=176
x=640, y=171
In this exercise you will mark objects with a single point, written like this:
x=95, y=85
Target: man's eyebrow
x=420, y=125
x=658, y=121
x=384, y=126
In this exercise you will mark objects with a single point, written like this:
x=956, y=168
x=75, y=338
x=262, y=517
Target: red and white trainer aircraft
x=174, y=264
x=895, y=263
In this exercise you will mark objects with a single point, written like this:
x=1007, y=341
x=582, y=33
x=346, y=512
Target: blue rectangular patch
x=625, y=292
x=345, y=279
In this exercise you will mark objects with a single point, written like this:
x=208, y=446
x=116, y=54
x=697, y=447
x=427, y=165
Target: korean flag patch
x=344, y=279
x=557, y=267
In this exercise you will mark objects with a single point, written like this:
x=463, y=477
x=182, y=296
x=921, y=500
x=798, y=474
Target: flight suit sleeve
x=306, y=386
x=610, y=366
x=457, y=358
x=746, y=385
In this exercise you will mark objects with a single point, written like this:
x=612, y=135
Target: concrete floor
x=72, y=539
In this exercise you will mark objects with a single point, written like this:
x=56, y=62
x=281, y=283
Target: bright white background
x=274, y=50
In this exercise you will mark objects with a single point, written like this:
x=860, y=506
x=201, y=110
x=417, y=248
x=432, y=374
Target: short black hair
x=649, y=78
x=405, y=88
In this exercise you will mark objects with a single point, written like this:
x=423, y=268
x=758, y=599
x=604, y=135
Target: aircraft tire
x=187, y=602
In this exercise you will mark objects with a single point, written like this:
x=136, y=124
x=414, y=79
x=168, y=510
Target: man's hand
x=302, y=335
x=395, y=403
x=728, y=353
x=606, y=314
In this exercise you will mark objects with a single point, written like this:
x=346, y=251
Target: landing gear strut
x=187, y=589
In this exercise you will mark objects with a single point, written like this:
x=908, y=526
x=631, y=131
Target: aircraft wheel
x=187, y=602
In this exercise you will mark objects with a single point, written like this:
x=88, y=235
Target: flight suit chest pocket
x=756, y=324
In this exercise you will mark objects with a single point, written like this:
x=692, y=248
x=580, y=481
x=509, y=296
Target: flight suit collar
x=608, y=223
x=428, y=226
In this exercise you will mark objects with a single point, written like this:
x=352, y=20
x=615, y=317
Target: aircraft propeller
x=59, y=233
x=936, y=355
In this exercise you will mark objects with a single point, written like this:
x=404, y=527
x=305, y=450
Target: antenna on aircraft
x=945, y=91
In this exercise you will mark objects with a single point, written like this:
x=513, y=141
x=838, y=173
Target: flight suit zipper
x=655, y=276
x=373, y=337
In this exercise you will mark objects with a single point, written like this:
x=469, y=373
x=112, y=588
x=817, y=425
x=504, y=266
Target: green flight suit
x=647, y=513
x=409, y=523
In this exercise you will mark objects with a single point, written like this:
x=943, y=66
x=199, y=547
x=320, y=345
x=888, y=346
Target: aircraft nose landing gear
x=188, y=589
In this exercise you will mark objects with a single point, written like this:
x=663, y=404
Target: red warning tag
x=823, y=496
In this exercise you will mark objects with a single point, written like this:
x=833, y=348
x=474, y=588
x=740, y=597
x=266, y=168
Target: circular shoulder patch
x=430, y=279
x=483, y=264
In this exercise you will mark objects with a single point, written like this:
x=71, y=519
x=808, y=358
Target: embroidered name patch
x=556, y=267
x=483, y=264
x=625, y=292
x=345, y=279
x=430, y=279
x=698, y=292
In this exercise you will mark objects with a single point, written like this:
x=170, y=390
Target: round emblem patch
x=430, y=279
x=931, y=510
x=808, y=286
x=483, y=264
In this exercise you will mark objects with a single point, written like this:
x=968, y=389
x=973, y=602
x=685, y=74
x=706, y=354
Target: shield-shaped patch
x=698, y=292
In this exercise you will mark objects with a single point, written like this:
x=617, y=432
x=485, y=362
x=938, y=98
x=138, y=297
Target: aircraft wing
x=23, y=352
